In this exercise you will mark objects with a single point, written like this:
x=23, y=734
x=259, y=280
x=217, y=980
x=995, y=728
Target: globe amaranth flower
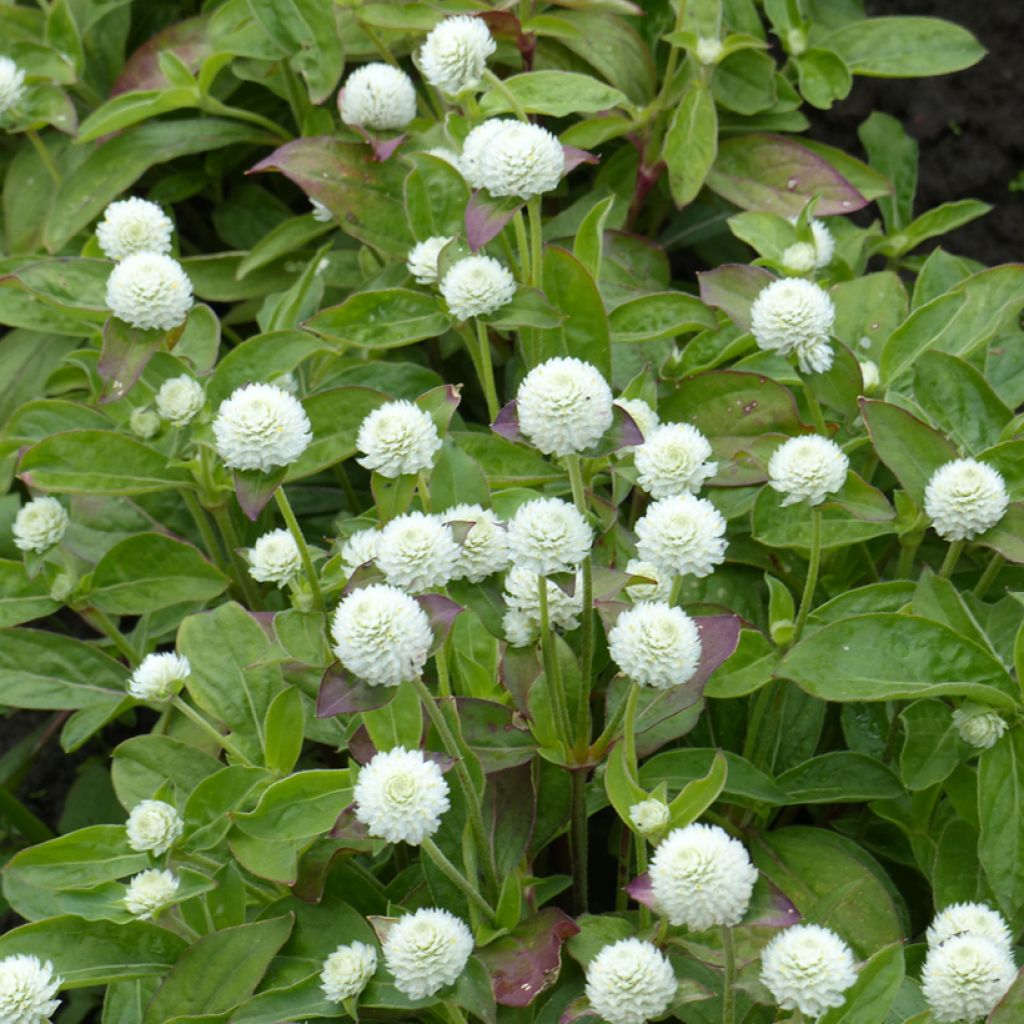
x=144, y=423
x=521, y=160
x=478, y=141
x=682, y=535
x=133, y=225
x=477, y=286
x=154, y=826
x=149, y=892
x=655, y=645
x=807, y=468
x=980, y=727
x=674, y=459
x=484, y=547
x=378, y=96
x=159, y=676
x=794, y=317
x=261, y=427
x=522, y=595
x=649, y=816
x=359, y=549
x=321, y=214
x=709, y=50
x=27, y=989
x=965, y=977
x=427, y=950
x=645, y=418
x=274, y=558
x=454, y=55
x=180, y=399
x=423, y=256
x=701, y=877
x=802, y=257
x=564, y=405
x=40, y=524
x=398, y=439
x=519, y=629
x=400, y=796
x=417, y=552
x=659, y=590
x=807, y=968
x=12, y=84
x=970, y=919
x=381, y=635
x=629, y=982
x=964, y=498
x=548, y=535
x=150, y=291
x=347, y=971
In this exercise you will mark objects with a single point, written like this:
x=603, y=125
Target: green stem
x=536, y=243
x=444, y=683
x=487, y=371
x=214, y=106
x=673, y=54
x=423, y=489
x=909, y=543
x=992, y=570
x=457, y=878
x=728, y=976
x=952, y=557
x=44, y=155
x=285, y=508
x=641, y=868
x=578, y=840
x=100, y=621
x=523, y=245
x=234, y=543
x=601, y=744
x=202, y=521
x=815, y=409
x=812, y=574
x=579, y=496
x=506, y=94
x=193, y=716
x=552, y=667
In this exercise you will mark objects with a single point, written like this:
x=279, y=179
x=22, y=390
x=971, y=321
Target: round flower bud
x=378, y=96
x=427, y=950
x=40, y=524
x=274, y=558
x=359, y=549
x=261, y=427
x=649, y=816
x=970, y=919
x=133, y=225
x=642, y=415
x=709, y=50
x=564, y=405
x=477, y=286
x=321, y=214
x=794, y=317
x=701, y=876
x=682, y=535
x=522, y=595
x=674, y=459
x=965, y=977
x=150, y=291
x=655, y=645
x=12, y=84
x=400, y=796
x=519, y=629
x=659, y=590
x=422, y=259
x=807, y=968
x=980, y=728
x=964, y=498
x=180, y=399
x=870, y=376
x=629, y=982
x=477, y=143
x=27, y=984
x=153, y=826
x=144, y=423
x=799, y=257
x=381, y=635
x=347, y=971
x=455, y=54
x=522, y=160
x=548, y=535
x=398, y=439
x=807, y=468
x=62, y=588
x=417, y=552
x=484, y=548
x=149, y=892
x=159, y=676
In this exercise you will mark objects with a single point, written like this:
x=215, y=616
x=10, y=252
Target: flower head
x=970, y=919
x=150, y=291
x=477, y=286
x=260, y=427
x=674, y=459
x=979, y=727
x=484, y=548
x=964, y=498
x=564, y=405
x=144, y=423
x=347, y=971
x=27, y=984
x=655, y=645
x=799, y=258
x=423, y=256
x=12, y=85
x=521, y=160
x=965, y=977
x=180, y=399
x=149, y=892
x=474, y=149
x=649, y=816
x=398, y=439
x=400, y=796
x=642, y=415
x=417, y=552
x=807, y=468
x=378, y=96
x=133, y=225
x=659, y=590
x=381, y=635
x=522, y=595
x=159, y=676
x=40, y=524
x=630, y=981
x=519, y=629
x=359, y=549
x=682, y=535
x=709, y=50
x=548, y=535
x=701, y=876
x=807, y=968
x=153, y=826
x=274, y=558
x=427, y=950
x=792, y=316
x=455, y=53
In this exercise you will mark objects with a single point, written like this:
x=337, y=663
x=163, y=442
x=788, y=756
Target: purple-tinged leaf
x=770, y=908
x=188, y=40
x=349, y=827
x=442, y=612
x=495, y=733
x=732, y=287
x=360, y=747
x=609, y=583
x=364, y=575
x=510, y=814
x=574, y=156
x=507, y=423
x=579, y=1009
x=487, y=216
x=341, y=694
x=623, y=433
x=640, y=890
x=440, y=403
x=125, y=354
x=719, y=635
x=254, y=489
x=381, y=148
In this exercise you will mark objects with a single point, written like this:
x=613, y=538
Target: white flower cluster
x=522, y=596
x=27, y=989
x=454, y=55
x=154, y=826
x=133, y=225
x=484, y=548
x=179, y=400
x=649, y=816
x=803, y=257
x=512, y=158
x=398, y=439
x=347, y=971
x=807, y=968
x=12, y=84
x=274, y=558
x=149, y=892
x=477, y=286
x=964, y=498
x=400, y=796
x=807, y=468
x=655, y=645
x=417, y=552
x=427, y=950
x=629, y=982
x=144, y=423
x=150, y=291
x=378, y=96
x=261, y=427
x=548, y=535
x=40, y=524
x=564, y=406
x=980, y=727
x=794, y=317
x=674, y=459
x=423, y=256
x=359, y=549
x=680, y=536
x=159, y=676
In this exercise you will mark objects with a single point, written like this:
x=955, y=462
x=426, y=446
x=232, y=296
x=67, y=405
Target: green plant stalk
x=953, y=554
x=728, y=976
x=214, y=106
x=444, y=683
x=487, y=371
x=579, y=840
x=673, y=55
x=234, y=543
x=815, y=408
x=285, y=507
x=523, y=245
x=44, y=155
x=99, y=620
x=536, y=242
x=200, y=518
x=812, y=574
x=423, y=490
x=641, y=869
x=457, y=878
x=909, y=544
x=193, y=716
x=601, y=744
x=506, y=94
x=579, y=497
x=552, y=668
x=992, y=570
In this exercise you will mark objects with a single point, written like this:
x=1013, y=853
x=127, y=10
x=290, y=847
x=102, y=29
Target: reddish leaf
x=341, y=694
x=640, y=890
x=442, y=612
x=732, y=287
x=719, y=635
x=254, y=489
x=125, y=354
x=188, y=40
x=574, y=156
x=486, y=216
x=507, y=423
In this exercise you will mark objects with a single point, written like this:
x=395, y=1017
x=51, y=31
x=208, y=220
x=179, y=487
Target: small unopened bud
x=144, y=423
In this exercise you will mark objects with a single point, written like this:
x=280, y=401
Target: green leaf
x=259, y=359
x=21, y=598
x=304, y=804
x=823, y=76
x=390, y=318
x=399, y=723
x=623, y=791
x=747, y=669
x=1009, y=1009
x=588, y=247
x=691, y=143
x=697, y=796
x=436, y=197
x=132, y=107
x=744, y=82
x=933, y=223
x=286, y=237
x=893, y=152
x=868, y=1000
x=284, y=730
x=211, y=803
x=744, y=783
x=842, y=776
x=144, y=764
x=659, y=315
x=557, y=93
x=930, y=748
x=1001, y=805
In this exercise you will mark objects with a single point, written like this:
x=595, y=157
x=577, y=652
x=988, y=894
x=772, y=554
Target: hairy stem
x=728, y=976
x=952, y=557
x=579, y=840
x=234, y=543
x=992, y=570
x=194, y=716
x=812, y=574
x=457, y=878
x=285, y=508
x=487, y=371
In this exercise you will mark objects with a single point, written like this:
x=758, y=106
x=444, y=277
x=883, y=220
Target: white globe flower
x=970, y=919
x=398, y=439
x=149, y=892
x=40, y=524
x=709, y=50
x=521, y=160
x=964, y=498
x=422, y=259
x=807, y=968
x=484, y=548
x=981, y=729
x=659, y=590
x=477, y=143
x=12, y=84
x=965, y=977
x=800, y=257
x=807, y=468
x=320, y=212
x=820, y=251
x=274, y=558
x=519, y=629
x=133, y=225
x=455, y=54
x=153, y=826
x=144, y=423
x=417, y=552
x=629, y=982
x=477, y=286
x=150, y=291
x=548, y=535
x=649, y=816
x=180, y=399
x=522, y=595
x=159, y=676
x=359, y=549
x=870, y=376
x=378, y=96
x=794, y=317
x=427, y=950
x=674, y=459
x=642, y=415
x=347, y=971
x=260, y=427
x=381, y=635
x=27, y=984
x=400, y=796
x=655, y=645
x=701, y=877
x=682, y=535
x=564, y=405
